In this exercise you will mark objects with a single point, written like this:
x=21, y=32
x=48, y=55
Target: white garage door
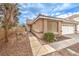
x=68, y=30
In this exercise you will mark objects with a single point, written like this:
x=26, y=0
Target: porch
x=53, y=26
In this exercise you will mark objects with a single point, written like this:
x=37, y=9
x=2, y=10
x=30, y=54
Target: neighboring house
x=29, y=26
x=58, y=26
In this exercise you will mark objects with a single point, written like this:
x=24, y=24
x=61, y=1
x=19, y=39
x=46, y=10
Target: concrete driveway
x=72, y=50
x=73, y=36
x=66, y=43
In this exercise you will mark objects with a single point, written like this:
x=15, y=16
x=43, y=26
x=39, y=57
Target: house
x=58, y=26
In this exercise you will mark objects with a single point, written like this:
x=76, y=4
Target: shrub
x=49, y=37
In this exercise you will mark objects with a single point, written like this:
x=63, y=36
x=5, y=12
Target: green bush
x=49, y=37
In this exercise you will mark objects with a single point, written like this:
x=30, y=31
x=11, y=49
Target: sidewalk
x=37, y=48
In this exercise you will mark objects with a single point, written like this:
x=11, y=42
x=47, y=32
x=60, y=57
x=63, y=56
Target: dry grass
x=10, y=31
x=2, y=33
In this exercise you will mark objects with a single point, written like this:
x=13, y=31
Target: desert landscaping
x=43, y=35
x=17, y=45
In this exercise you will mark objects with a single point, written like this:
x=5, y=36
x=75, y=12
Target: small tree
x=10, y=12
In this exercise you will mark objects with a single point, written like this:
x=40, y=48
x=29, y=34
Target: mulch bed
x=62, y=38
x=43, y=42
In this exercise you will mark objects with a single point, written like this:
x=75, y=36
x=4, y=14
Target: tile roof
x=55, y=18
x=73, y=16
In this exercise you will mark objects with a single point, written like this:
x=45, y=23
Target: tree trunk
x=6, y=33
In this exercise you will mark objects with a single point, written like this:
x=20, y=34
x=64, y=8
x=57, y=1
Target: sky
x=61, y=10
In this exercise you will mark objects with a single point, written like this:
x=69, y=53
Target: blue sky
x=62, y=10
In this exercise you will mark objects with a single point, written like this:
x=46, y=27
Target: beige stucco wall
x=59, y=29
x=52, y=26
x=78, y=28
x=38, y=26
x=45, y=26
x=77, y=19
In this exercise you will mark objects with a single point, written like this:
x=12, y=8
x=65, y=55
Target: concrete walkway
x=37, y=48
x=66, y=43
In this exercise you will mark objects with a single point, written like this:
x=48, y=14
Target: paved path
x=37, y=48
x=66, y=43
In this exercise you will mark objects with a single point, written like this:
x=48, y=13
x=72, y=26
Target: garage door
x=68, y=29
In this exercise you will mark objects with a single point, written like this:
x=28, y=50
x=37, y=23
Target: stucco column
x=45, y=25
x=75, y=28
x=59, y=27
